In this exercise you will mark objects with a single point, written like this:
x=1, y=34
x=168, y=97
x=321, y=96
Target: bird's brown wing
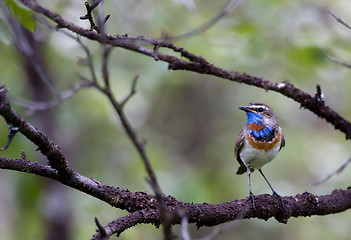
x=283, y=139
x=239, y=144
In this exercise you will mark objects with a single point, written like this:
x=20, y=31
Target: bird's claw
x=280, y=197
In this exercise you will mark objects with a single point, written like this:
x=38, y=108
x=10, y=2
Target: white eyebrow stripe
x=258, y=106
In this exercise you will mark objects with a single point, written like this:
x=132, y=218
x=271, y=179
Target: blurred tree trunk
x=57, y=217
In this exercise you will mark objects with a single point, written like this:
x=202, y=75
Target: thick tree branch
x=145, y=208
x=45, y=145
x=59, y=168
x=206, y=214
x=116, y=197
x=203, y=214
x=200, y=65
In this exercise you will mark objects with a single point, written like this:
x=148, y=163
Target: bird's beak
x=246, y=109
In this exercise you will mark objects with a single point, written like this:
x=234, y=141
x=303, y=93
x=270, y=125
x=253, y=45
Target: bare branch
x=340, y=20
x=334, y=60
x=132, y=91
x=33, y=106
x=118, y=106
x=206, y=214
x=147, y=211
x=230, y=6
x=89, y=59
x=145, y=208
x=116, y=197
x=138, y=144
x=102, y=20
x=106, y=50
x=121, y=224
x=102, y=231
x=89, y=15
x=12, y=132
x=200, y=65
x=156, y=47
x=47, y=147
x=337, y=171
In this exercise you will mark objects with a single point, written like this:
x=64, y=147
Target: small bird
x=259, y=142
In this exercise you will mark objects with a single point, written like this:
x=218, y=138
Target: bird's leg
x=249, y=180
x=274, y=192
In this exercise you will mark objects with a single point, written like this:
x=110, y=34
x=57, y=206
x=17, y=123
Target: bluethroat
x=259, y=142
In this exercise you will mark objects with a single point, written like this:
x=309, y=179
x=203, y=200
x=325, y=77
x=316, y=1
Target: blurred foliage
x=190, y=121
x=21, y=13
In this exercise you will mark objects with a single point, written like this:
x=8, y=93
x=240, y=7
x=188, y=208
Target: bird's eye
x=260, y=109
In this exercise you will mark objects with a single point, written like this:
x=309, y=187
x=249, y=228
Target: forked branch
x=198, y=64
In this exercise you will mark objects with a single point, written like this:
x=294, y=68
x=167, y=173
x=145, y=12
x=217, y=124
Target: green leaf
x=22, y=14
x=5, y=35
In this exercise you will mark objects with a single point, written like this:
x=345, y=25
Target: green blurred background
x=190, y=121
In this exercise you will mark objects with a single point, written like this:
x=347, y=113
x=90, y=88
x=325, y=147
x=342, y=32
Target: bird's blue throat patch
x=253, y=118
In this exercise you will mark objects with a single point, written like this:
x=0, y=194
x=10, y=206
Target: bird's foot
x=280, y=197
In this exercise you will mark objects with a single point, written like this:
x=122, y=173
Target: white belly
x=255, y=158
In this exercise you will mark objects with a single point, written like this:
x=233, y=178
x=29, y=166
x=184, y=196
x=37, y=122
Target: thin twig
x=334, y=60
x=156, y=47
x=102, y=230
x=230, y=6
x=138, y=144
x=337, y=171
x=184, y=226
x=106, y=50
x=117, y=106
x=102, y=20
x=89, y=59
x=32, y=106
x=12, y=132
x=340, y=20
x=105, y=53
x=125, y=123
x=132, y=91
x=89, y=15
